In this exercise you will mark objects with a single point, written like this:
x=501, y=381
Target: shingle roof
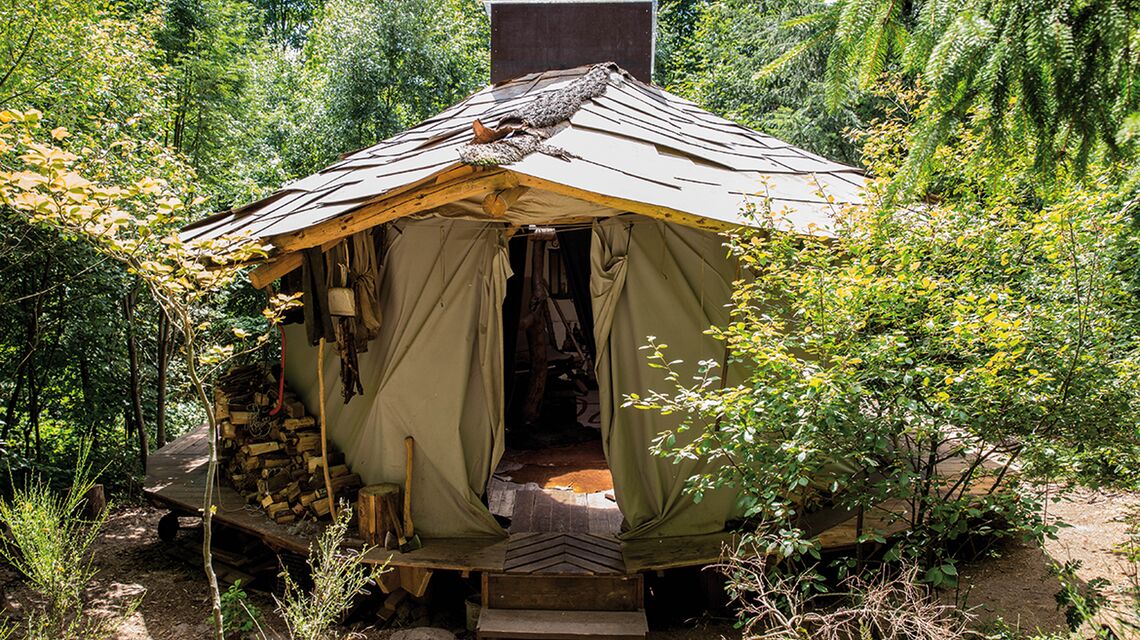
x=634, y=141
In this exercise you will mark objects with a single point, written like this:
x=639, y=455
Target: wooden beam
x=623, y=204
x=264, y=275
x=497, y=203
x=385, y=209
x=461, y=171
x=267, y=273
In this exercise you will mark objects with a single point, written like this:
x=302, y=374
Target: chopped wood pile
x=274, y=460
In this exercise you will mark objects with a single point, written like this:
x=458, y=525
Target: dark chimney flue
x=530, y=35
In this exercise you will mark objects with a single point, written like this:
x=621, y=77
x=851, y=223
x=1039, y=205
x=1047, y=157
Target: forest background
x=230, y=99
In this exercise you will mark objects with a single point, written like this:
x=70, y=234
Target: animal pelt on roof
x=521, y=132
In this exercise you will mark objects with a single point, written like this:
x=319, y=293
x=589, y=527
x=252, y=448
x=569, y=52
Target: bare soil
x=1014, y=583
x=173, y=600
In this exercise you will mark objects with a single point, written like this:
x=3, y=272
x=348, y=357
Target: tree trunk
x=13, y=402
x=88, y=399
x=33, y=411
x=135, y=391
x=199, y=387
x=160, y=385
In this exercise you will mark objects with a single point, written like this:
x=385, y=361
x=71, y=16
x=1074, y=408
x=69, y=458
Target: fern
x=1062, y=73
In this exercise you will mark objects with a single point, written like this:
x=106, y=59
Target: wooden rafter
x=385, y=209
x=431, y=195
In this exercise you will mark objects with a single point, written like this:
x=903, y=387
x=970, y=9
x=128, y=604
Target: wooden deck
x=176, y=480
x=555, y=511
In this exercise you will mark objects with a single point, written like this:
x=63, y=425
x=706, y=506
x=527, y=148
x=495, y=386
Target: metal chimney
x=541, y=35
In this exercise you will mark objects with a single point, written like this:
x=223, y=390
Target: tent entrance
x=553, y=475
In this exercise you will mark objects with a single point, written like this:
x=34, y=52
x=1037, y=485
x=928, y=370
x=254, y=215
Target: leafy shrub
x=1081, y=601
x=49, y=542
x=919, y=356
x=239, y=615
x=338, y=575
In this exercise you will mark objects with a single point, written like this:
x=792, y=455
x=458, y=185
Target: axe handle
x=395, y=523
x=409, y=446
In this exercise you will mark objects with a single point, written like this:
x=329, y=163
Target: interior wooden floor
x=176, y=479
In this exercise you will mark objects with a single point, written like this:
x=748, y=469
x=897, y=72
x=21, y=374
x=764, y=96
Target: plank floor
x=532, y=509
x=176, y=479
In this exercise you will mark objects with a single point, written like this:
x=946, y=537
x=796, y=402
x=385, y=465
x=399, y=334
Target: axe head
x=411, y=544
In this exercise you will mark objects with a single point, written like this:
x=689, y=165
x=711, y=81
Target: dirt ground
x=1014, y=583
x=134, y=565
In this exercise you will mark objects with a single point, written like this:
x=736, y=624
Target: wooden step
x=571, y=593
x=561, y=625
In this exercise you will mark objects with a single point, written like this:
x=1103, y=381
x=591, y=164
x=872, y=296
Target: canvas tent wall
x=655, y=278
x=436, y=370
x=435, y=373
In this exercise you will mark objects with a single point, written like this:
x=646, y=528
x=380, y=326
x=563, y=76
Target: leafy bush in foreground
x=920, y=356
x=50, y=543
x=337, y=575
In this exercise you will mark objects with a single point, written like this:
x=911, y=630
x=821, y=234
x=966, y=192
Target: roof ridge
x=521, y=132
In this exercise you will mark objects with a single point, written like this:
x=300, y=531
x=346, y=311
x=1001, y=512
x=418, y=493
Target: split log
x=374, y=504
x=276, y=465
x=260, y=448
x=294, y=408
x=292, y=424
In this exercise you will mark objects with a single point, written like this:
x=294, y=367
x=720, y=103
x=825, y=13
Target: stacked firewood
x=274, y=460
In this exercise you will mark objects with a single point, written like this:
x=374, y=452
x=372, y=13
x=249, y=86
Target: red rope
x=280, y=375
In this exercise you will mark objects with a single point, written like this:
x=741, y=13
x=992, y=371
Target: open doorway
x=553, y=476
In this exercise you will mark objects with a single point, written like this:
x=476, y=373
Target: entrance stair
x=563, y=586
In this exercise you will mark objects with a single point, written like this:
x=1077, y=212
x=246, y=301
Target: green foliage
x=338, y=575
x=1081, y=601
x=729, y=57
x=991, y=327
x=1063, y=75
x=49, y=543
x=130, y=224
x=223, y=100
x=239, y=615
x=383, y=66
x=210, y=48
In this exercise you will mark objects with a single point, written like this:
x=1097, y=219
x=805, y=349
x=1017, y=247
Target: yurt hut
x=508, y=259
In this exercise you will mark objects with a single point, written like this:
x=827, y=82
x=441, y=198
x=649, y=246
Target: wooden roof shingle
x=634, y=143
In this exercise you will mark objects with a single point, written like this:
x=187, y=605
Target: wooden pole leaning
x=324, y=428
x=409, y=446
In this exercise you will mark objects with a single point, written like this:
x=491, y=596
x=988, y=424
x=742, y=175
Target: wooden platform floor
x=532, y=509
x=176, y=480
